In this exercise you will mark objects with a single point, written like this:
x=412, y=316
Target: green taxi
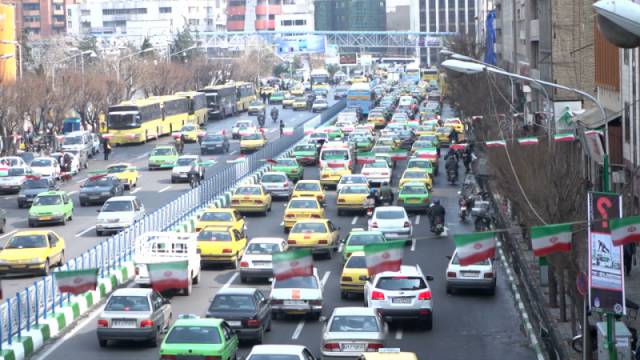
x=362, y=143
x=290, y=167
x=205, y=338
x=421, y=164
x=163, y=157
x=357, y=240
x=334, y=133
x=51, y=207
x=306, y=154
x=276, y=97
x=414, y=197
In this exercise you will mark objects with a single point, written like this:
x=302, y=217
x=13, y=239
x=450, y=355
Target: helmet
x=372, y=191
x=436, y=202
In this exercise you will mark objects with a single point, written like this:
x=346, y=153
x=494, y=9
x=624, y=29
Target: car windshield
x=353, y=180
x=189, y=128
x=256, y=103
x=390, y=214
x=412, y=189
x=298, y=282
x=248, y=190
x=382, y=149
x=419, y=164
x=399, y=283
x=422, y=144
x=305, y=148
x=303, y=204
x=354, y=323
x=114, y=206
x=41, y=162
x=287, y=162
x=36, y=184
x=274, y=178
x=127, y=303
x=413, y=175
x=185, y=161
x=273, y=357
x=301, y=227
x=72, y=140
x=27, y=242
x=214, y=235
x=162, y=152
x=308, y=186
x=254, y=136
x=456, y=261
x=183, y=334
x=46, y=200
x=364, y=239
x=357, y=262
x=262, y=248
x=98, y=182
x=354, y=190
x=216, y=216
x=117, y=169
x=229, y=302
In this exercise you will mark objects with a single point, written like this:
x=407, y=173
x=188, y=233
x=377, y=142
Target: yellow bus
x=197, y=106
x=175, y=112
x=245, y=94
x=430, y=74
x=134, y=121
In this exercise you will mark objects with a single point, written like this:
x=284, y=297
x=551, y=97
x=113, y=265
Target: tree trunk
x=553, y=290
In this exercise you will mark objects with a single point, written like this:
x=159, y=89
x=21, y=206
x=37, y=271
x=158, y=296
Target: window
x=165, y=10
x=194, y=21
x=31, y=6
x=116, y=23
x=193, y=9
x=130, y=11
x=301, y=22
x=627, y=123
x=85, y=12
x=534, y=54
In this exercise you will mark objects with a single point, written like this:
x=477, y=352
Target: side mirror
x=166, y=301
x=199, y=251
x=429, y=278
x=98, y=210
x=448, y=257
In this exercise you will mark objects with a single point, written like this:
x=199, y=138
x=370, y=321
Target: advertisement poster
x=606, y=279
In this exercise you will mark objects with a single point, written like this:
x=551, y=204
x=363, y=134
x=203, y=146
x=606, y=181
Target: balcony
x=534, y=30
x=236, y=10
x=31, y=13
x=235, y=25
x=271, y=9
x=262, y=25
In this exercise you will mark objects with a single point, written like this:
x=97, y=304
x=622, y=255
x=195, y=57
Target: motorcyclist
x=373, y=197
x=261, y=117
x=466, y=159
x=386, y=193
x=194, y=175
x=436, y=213
x=452, y=165
x=453, y=136
x=274, y=114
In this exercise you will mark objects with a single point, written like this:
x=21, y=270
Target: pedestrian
x=106, y=148
x=629, y=252
x=281, y=127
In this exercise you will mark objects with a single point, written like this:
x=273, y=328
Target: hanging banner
x=606, y=279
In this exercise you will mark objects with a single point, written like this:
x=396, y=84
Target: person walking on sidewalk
x=106, y=148
x=629, y=252
x=281, y=127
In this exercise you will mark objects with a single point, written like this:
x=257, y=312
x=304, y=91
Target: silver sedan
x=352, y=331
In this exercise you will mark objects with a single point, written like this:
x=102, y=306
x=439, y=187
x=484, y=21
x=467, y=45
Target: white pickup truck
x=158, y=247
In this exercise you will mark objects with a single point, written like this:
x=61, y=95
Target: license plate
x=94, y=197
x=353, y=347
x=183, y=175
x=391, y=234
x=469, y=273
x=234, y=323
x=295, y=302
x=45, y=218
x=261, y=263
x=413, y=201
x=402, y=300
x=123, y=323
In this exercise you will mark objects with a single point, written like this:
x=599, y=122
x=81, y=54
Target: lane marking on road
x=355, y=220
x=341, y=247
x=325, y=277
x=8, y=234
x=399, y=334
x=82, y=180
x=136, y=190
x=141, y=156
x=165, y=188
x=230, y=281
x=233, y=152
x=7, y=197
x=413, y=244
x=298, y=330
x=418, y=220
x=85, y=231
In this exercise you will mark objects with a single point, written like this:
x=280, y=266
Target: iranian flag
x=529, y=140
x=292, y=263
x=399, y=155
x=4, y=171
x=430, y=154
x=288, y=131
x=308, y=130
x=458, y=146
x=593, y=133
x=475, y=247
x=548, y=239
x=365, y=157
x=566, y=137
x=625, y=230
x=385, y=256
x=496, y=144
x=169, y=275
x=76, y=281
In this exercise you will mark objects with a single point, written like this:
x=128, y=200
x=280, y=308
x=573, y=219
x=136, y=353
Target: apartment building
x=41, y=18
x=351, y=15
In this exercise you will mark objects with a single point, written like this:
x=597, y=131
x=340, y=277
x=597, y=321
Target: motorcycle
x=452, y=176
x=438, y=226
x=482, y=223
x=370, y=204
x=261, y=120
x=274, y=116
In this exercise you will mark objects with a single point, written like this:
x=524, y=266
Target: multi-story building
x=269, y=15
x=41, y=18
x=295, y=16
x=350, y=15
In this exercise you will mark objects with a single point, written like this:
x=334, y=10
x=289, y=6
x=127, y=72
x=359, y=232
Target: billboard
x=348, y=59
x=306, y=44
x=7, y=33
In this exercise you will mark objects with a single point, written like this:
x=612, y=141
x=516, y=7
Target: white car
x=392, y=221
x=12, y=182
x=118, y=213
x=480, y=275
x=12, y=161
x=45, y=167
x=242, y=127
x=352, y=331
x=347, y=126
x=75, y=163
x=95, y=144
x=401, y=295
x=287, y=352
x=300, y=294
x=354, y=179
x=377, y=172
x=277, y=183
x=256, y=260
x=180, y=170
x=319, y=105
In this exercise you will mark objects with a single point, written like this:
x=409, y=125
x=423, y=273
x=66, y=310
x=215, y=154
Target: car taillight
x=244, y=264
x=226, y=251
x=426, y=200
x=291, y=242
x=374, y=224
x=324, y=242
x=331, y=346
x=377, y=295
x=315, y=216
x=146, y=323
x=235, y=201
x=103, y=323
x=407, y=224
x=137, y=270
x=346, y=278
x=253, y=323
x=488, y=275
x=286, y=185
x=340, y=200
x=425, y=295
x=347, y=255
x=289, y=216
x=451, y=274
x=374, y=346
x=384, y=174
x=365, y=173
x=168, y=357
x=258, y=201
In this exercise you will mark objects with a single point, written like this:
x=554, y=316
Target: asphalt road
x=465, y=324
x=154, y=188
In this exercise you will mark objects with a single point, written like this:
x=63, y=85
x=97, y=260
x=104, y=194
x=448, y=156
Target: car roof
x=275, y=173
x=363, y=231
x=216, y=209
x=308, y=182
x=198, y=322
x=188, y=156
x=278, y=349
x=120, y=198
x=218, y=227
x=389, y=208
x=127, y=291
x=249, y=185
x=119, y=164
x=311, y=221
x=406, y=270
x=31, y=232
x=354, y=310
x=236, y=291
x=267, y=240
x=53, y=192
x=163, y=147
x=419, y=184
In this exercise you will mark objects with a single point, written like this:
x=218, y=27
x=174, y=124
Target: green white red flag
x=383, y=257
x=625, y=230
x=288, y=131
x=4, y=171
x=548, y=239
x=76, y=281
x=292, y=263
x=430, y=153
x=399, y=155
x=365, y=157
x=475, y=247
x=529, y=140
x=169, y=275
x=496, y=144
x=459, y=146
x=565, y=137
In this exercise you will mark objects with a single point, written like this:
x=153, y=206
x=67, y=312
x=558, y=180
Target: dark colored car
x=246, y=310
x=98, y=189
x=404, y=139
x=214, y=143
x=34, y=186
x=340, y=93
x=3, y=220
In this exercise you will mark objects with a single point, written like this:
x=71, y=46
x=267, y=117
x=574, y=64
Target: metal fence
x=42, y=299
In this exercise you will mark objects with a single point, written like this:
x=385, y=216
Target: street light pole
x=53, y=67
x=127, y=57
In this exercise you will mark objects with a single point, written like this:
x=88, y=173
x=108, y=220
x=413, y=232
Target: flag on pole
x=4, y=171
x=308, y=130
x=565, y=137
x=475, y=247
x=169, y=275
x=292, y=263
x=593, y=133
x=430, y=153
x=76, y=281
x=625, y=230
x=399, y=155
x=386, y=256
x=365, y=157
x=288, y=131
x=496, y=144
x=529, y=140
x=548, y=239
x=458, y=146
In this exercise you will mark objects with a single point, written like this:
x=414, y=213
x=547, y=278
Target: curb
x=34, y=339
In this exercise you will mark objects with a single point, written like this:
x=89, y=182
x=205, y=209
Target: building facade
x=41, y=18
x=269, y=15
x=351, y=15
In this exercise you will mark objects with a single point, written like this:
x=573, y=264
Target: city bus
x=245, y=94
x=221, y=100
x=320, y=81
x=412, y=73
x=430, y=74
x=135, y=121
x=175, y=112
x=362, y=96
x=197, y=106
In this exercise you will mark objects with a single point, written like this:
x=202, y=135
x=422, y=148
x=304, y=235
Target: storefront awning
x=592, y=118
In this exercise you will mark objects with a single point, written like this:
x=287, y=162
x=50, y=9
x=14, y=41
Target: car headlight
x=101, y=221
x=105, y=193
x=22, y=196
x=36, y=260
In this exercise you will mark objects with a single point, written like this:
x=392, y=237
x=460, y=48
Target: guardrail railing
x=42, y=299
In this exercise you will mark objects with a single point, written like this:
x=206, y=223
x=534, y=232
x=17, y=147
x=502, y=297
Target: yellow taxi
x=352, y=197
x=354, y=275
x=251, y=198
x=221, y=245
x=297, y=91
x=299, y=103
x=288, y=100
x=319, y=235
x=32, y=251
x=302, y=208
x=450, y=126
x=388, y=354
x=330, y=176
x=221, y=217
x=309, y=188
x=267, y=90
x=456, y=123
x=126, y=173
x=424, y=130
x=359, y=79
x=433, y=123
x=443, y=134
x=416, y=175
x=252, y=142
x=191, y=132
x=376, y=119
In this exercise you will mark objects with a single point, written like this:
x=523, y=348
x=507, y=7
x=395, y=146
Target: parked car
x=246, y=310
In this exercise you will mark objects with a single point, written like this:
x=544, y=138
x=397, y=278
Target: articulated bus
x=320, y=81
x=245, y=94
x=362, y=96
x=221, y=100
x=135, y=121
x=175, y=112
x=197, y=106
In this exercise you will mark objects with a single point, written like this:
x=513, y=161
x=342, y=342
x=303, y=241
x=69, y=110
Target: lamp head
x=464, y=67
x=619, y=22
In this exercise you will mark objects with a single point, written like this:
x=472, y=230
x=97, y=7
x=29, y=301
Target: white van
x=78, y=140
x=336, y=154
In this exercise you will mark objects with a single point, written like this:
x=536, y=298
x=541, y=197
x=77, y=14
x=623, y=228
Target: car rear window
x=262, y=248
x=274, y=178
x=413, y=190
x=456, y=261
x=229, y=302
x=354, y=323
x=303, y=204
x=127, y=303
x=301, y=227
x=216, y=216
x=354, y=190
x=193, y=335
x=210, y=235
x=287, y=162
x=305, y=148
x=248, y=191
x=390, y=214
x=364, y=239
x=401, y=283
x=356, y=262
x=298, y=282
x=308, y=186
